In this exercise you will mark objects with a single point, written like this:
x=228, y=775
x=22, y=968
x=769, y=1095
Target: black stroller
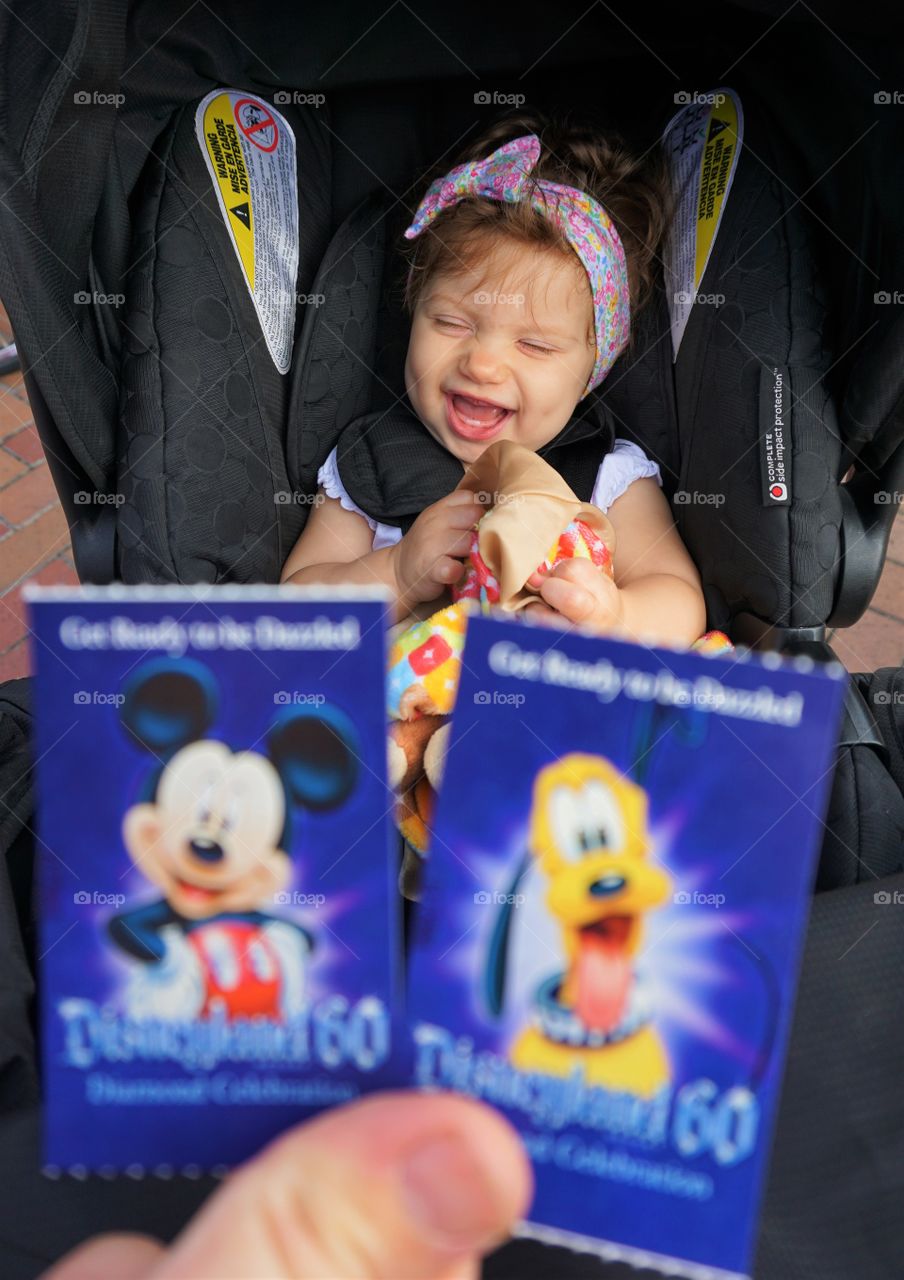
x=182, y=452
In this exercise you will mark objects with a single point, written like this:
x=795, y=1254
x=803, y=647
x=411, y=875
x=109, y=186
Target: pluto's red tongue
x=474, y=411
x=603, y=976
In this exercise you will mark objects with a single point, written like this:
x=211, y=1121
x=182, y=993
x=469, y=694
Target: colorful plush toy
x=533, y=522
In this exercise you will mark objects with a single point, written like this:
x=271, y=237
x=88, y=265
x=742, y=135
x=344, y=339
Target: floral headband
x=503, y=175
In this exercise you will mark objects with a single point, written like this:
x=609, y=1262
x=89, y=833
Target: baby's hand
x=576, y=592
x=424, y=560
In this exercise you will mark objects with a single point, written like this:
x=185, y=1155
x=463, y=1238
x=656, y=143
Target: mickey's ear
x=497, y=954
x=167, y=703
x=316, y=752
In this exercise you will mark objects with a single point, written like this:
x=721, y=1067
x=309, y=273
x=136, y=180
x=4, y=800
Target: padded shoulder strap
x=639, y=392
x=579, y=448
x=333, y=378
x=393, y=469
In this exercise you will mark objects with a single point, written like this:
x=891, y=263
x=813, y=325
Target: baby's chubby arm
x=656, y=597
x=336, y=547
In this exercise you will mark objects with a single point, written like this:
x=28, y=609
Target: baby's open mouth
x=475, y=419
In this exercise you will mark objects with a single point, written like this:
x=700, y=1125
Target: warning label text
x=226, y=153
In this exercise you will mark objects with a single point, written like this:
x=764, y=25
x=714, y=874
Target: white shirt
x=626, y=463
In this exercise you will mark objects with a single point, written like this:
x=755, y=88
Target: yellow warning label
x=702, y=144
x=228, y=165
x=249, y=150
x=719, y=152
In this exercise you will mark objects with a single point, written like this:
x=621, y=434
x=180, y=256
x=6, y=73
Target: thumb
x=397, y=1186
x=127, y=1256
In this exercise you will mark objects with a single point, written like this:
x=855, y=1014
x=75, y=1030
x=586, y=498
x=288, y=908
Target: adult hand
x=397, y=1186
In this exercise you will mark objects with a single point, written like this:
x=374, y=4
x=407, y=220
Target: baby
x=520, y=291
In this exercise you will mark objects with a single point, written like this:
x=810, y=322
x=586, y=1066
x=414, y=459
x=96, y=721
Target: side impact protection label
x=250, y=153
x=702, y=144
x=775, y=435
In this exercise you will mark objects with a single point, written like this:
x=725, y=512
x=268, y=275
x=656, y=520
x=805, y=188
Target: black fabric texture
x=340, y=368
x=884, y=693
x=863, y=834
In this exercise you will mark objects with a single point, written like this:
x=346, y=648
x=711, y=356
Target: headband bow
x=504, y=175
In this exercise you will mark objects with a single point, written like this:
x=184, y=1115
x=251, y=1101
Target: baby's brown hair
x=635, y=191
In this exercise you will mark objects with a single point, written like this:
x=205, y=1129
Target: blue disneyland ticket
x=609, y=936
x=219, y=927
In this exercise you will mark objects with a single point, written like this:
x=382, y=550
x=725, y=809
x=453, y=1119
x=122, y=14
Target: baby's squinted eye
x=461, y=326
x=451, y=324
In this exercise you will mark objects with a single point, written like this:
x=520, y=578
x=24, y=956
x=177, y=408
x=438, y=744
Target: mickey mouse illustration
x=212, y=830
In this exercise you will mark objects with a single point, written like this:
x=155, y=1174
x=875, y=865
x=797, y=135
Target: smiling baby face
x=501, y=354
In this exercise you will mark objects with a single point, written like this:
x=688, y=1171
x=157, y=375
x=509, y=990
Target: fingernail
x=450, y=1195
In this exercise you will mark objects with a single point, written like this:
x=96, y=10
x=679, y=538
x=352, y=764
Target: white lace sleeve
x=328, y=476
x=626, y=463
x=386, y=535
